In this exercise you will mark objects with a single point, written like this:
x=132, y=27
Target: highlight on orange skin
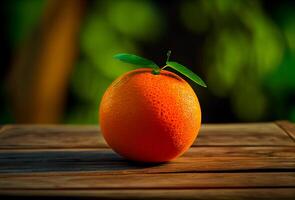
x=150, y=118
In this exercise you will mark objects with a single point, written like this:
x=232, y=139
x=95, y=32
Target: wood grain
x=252, y=134
x=228, y=161
x=148, y=181
x=288, y=127
x=105, y=161
x=145, y=194
x=48, y=136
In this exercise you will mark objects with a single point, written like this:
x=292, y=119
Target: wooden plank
x=148, y=181
x=49, y=136
x=253, y=134
x=105, y=161
x=145, y=194
x=288, y=127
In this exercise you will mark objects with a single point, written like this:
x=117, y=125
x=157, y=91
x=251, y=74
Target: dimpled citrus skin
x=150, y=118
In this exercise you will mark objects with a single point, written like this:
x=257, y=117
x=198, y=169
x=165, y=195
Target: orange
x=150, y=118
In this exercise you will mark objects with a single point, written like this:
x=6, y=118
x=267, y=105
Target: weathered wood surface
x=201, y=159
x=289, y=128
x=51, y=136
x=95, y=180
x=228, y=161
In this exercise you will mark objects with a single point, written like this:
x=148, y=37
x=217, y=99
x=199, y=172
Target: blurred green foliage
x=281, y=82
x=248, y=51
x=243, y=47
x=110, y=27
x=23, y=18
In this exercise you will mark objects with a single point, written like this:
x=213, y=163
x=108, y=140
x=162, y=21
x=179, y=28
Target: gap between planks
x=200, y=194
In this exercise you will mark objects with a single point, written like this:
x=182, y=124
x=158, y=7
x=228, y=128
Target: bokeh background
x=56, y=56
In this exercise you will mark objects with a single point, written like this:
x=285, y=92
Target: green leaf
x=135, y=60
x=186, y=72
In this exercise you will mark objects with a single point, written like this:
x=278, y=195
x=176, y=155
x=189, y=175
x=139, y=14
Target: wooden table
x=228, y=161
